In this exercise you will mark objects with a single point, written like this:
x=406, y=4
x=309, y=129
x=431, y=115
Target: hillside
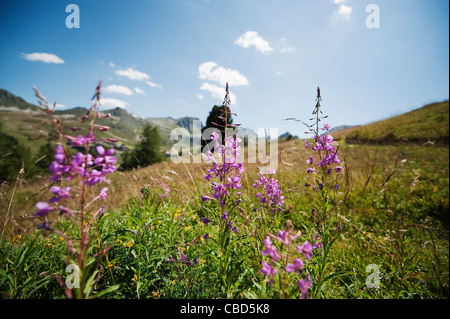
x=428, y=125
x=24, y=121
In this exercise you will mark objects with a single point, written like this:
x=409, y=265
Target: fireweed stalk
x=225, y=179
x=89, y=170
x=285, y=267
x=324, y=171
x=271, y=199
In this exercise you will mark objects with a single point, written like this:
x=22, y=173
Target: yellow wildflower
x=134, y=279
x=110, y=265
x=49, y=243
x=156, y=295
x=16, y=238
x=129, y=244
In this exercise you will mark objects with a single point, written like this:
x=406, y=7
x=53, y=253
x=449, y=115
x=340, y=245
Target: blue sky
x=172, y=58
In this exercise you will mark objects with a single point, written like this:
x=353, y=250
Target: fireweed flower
x=206, y=198
x=269, y=271
x=89, y=170
x=43, y=209
x=205, y=221
x=270, y=250
x=103, y=193
x=166, y=190
x=225, y=177
x=304, y=285
x=105, y=157
x=273, y=196
x=285, y=261
x=60, y=193
x=228, y=172
x=80, y=140
x=225, y=216
x=305, y=249
x=295, y=266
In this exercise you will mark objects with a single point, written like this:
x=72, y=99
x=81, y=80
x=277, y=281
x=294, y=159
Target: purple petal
x=100, y=150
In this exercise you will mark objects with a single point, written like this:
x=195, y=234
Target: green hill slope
x=426, y=125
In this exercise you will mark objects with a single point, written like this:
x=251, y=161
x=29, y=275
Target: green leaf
x=105, y=291
x=89, y=284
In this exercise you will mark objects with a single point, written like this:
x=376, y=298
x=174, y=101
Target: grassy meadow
x=391, y=210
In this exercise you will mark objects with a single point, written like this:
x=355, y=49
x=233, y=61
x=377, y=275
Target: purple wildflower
x=105, y=157
x=206, y=221
x=266, y=269
x=44, y=225
x=273, y=194
x=225, y=216
x=60, y=193
x=304, y=285
x=43, y=209
x=270, y=250
x=103, y=193
x=80, y=140
x=305, y=249
x=206, y=198
x=295, y=266
x=59, y=154
x=233, y=228
x=229, y=172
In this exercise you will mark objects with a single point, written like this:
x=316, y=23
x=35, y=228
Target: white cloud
x=43, y=57
x=213, y=72
x=339, y=1
x=119, y=89
x=217, y=92
x=139, y=91
x=111, y=64
x=154, y=85
x=345, y=12
x=200, y=96
x=133, y=74
x=110, y=102
x=251, y=38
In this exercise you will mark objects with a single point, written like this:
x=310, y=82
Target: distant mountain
x=25, y=121
x=8, y=99
x=428, y=125
x=287, y=136
x=340, y=128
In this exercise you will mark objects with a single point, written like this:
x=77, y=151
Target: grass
x=392, y=209
x=428, y=124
